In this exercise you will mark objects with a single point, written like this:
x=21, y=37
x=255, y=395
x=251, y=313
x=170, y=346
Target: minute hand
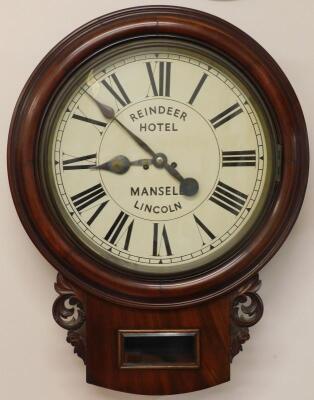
x=173, y=172
x=139, y=141
x=188, y=186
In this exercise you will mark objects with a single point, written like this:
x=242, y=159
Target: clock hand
x=106, y=111
x=142, y=162
x=120, y=164
x=139, y=141
x=188, y=186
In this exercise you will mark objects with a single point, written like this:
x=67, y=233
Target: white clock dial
x=178, y=176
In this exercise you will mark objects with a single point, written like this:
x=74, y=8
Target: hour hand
x=120, y=164
x=144, y=162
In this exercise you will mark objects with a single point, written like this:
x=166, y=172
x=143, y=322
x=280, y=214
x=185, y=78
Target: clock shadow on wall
x=158, y=158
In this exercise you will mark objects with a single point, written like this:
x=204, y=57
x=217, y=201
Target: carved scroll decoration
x=69, y=313
x=246, y=310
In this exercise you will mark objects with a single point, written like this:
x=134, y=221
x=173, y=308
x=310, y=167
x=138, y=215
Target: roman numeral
x=160, y=86
x=198, y=88
x=116, y=228
x=97, y=212
x=228, y=198
x=89, y=120
x=226, y=115
x=88, y=197
x=164, y=239
x=242, y=158
x=118, y=93
x=204, y=228
x=77, y=162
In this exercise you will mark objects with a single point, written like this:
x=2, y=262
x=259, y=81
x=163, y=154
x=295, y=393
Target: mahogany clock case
x=210, y=308
x=45, y=227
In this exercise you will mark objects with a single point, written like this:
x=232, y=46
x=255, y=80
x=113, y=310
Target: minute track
x=139, y=257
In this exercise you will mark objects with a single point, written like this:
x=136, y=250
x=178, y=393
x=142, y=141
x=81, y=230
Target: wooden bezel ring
x=50, y=236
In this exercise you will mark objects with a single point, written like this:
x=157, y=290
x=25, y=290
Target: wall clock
x=158, y=158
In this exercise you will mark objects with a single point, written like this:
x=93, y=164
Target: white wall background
x=35, y=361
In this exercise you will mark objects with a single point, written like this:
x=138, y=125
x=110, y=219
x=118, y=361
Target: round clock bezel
x=50, y=124
x=53, y=239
